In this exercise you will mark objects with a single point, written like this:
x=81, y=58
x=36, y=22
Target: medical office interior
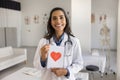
x=94, y=22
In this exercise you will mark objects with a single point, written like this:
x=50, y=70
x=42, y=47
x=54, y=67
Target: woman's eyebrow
x=59, y=15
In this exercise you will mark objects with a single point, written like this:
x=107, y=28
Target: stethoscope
x=67, y=51
x=68, y=45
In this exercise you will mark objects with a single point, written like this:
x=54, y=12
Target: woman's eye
x=54, y=18
x=61, y=17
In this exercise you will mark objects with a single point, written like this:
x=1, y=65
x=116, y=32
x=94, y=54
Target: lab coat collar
x=63, y=41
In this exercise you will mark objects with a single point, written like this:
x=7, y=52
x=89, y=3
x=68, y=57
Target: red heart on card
x=55, y=55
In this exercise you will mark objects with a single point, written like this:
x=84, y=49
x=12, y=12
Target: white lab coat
x=74, y=65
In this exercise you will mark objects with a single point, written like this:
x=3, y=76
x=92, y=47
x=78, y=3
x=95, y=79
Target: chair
x=92, y=69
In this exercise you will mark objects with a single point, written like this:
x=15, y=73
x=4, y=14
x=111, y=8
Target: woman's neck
x=58, y=35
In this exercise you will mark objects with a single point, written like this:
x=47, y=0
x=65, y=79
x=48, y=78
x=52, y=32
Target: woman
x=59, y=34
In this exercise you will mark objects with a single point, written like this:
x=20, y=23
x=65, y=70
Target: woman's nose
x=58, y=20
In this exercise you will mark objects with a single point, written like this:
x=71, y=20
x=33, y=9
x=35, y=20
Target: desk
x=19, y=75
x=99, y=61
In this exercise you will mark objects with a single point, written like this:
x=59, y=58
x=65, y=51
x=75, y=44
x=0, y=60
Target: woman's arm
x=37, y=58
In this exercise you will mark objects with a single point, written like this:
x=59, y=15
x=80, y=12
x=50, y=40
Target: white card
x=55, y=57
x=32, y=72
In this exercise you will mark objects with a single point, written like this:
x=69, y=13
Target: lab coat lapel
x=52, y=42
x=64, y=40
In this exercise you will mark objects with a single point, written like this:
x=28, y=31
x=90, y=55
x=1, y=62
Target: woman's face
x=58, y=21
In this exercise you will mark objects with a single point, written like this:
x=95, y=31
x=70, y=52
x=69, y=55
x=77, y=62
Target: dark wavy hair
x=50, y=29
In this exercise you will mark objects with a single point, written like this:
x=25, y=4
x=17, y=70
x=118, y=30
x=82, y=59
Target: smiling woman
x=58, y=39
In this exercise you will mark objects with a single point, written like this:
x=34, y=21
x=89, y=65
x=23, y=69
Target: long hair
x=50, y=29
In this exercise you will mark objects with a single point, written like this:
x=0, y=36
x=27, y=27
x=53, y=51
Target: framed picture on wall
x=36, y=19
x=27, y=20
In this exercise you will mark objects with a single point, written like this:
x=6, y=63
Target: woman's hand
x=59, y=71
x=44, y=52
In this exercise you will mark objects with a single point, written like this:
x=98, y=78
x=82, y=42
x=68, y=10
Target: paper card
x=32, y=72
x=55, y=57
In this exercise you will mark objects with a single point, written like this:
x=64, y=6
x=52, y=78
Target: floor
x=31, y=52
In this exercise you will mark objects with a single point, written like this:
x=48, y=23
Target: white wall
x=81, y=22
x=32, y=33
x=100, y=8
x=118, y=46
x=80, y=15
